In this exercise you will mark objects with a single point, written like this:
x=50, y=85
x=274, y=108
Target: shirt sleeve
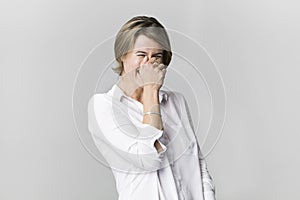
x=208, y=182
x=128, y=146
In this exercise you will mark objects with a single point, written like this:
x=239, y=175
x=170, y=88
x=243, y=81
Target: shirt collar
x=118, y=93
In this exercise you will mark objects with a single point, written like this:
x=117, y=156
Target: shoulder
x=99, y=101
x=176, y=102
x=175, y=96
x=96, y=98
x=103, y=96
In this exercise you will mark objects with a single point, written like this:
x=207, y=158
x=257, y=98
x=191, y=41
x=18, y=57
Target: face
x=144, y=50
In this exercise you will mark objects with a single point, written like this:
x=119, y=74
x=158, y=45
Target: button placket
x=178, y=179
x=181, y=195
x=179, y=184
x=181, y=189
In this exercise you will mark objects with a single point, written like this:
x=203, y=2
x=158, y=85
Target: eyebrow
x=146, y=52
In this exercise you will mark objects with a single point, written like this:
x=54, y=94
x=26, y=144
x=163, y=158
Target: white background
x=254, y=43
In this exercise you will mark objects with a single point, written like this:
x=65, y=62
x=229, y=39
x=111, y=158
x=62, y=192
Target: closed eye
x=143, y=54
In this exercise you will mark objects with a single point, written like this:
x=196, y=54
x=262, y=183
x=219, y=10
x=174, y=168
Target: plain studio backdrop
x=255, y=45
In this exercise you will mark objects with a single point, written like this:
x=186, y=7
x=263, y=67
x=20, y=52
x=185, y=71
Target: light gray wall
x=255, y=45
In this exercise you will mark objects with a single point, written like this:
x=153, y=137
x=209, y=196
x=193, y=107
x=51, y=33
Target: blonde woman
x=146, y=134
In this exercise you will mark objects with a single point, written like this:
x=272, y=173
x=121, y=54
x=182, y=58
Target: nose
x=146, y=59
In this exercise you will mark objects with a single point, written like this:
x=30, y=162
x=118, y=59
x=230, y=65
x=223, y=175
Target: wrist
x=150, y=88
x=150, y=95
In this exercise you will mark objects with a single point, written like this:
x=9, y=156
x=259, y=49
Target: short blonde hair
x=140, y=25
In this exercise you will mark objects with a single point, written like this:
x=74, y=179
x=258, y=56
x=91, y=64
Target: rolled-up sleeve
x=111, y=127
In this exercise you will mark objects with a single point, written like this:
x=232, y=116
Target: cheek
x=132, y=63
x=136, y=62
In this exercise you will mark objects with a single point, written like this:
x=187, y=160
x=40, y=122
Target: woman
x=145, y=133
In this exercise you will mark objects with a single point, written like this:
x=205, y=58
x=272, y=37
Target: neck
x=137, y=94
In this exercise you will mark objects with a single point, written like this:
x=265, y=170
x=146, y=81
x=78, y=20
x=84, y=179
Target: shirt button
x=192, y=145
x=179, y=178
x=179, y=184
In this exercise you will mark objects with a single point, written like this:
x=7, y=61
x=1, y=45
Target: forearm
x=151, y=104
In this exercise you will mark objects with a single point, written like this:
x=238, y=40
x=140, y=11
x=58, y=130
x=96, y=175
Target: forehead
x=144, y=43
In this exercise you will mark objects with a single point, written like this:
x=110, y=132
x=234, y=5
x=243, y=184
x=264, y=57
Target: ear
x=123, y=57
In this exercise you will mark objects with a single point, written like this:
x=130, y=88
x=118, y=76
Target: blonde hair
x=140, y=25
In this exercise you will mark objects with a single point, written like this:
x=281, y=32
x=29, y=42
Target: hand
x=152, y=74
x=128, y=82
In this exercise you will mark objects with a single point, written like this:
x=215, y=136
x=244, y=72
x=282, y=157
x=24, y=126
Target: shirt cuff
x=148, y=135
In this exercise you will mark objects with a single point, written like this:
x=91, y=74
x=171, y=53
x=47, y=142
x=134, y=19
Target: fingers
x=152, y=60
x=161, y=67
x=137, y=70
x=157, y=67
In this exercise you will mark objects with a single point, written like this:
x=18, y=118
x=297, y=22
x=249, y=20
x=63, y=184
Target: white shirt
x=179, y=172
